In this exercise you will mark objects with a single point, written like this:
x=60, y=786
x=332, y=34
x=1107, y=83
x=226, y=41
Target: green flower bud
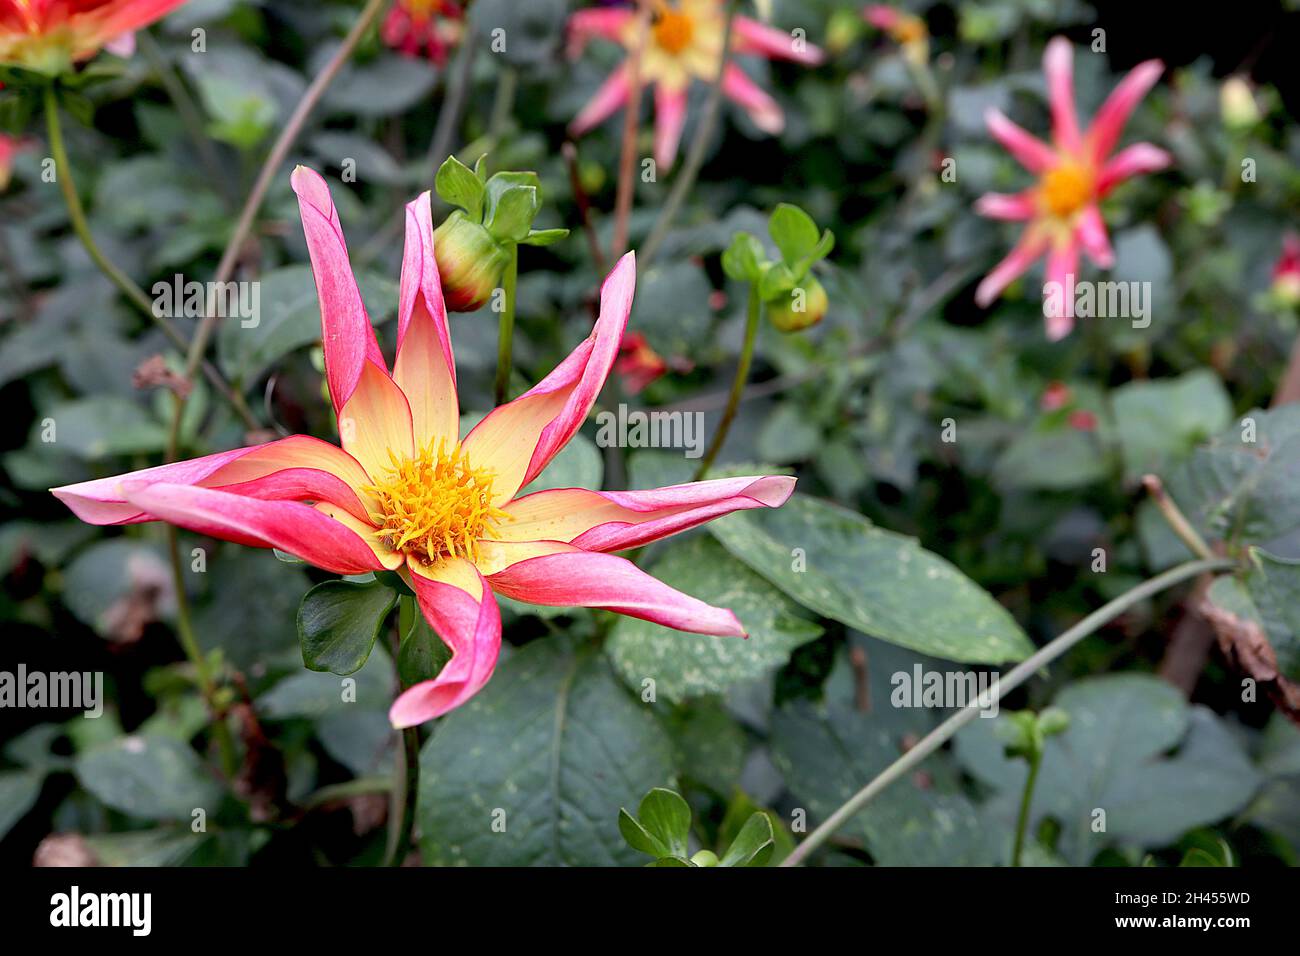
x=470, y=262
x=801, y=307
x=705, y=858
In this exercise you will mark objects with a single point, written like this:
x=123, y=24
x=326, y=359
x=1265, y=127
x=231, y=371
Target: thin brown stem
x=1175, y=518
x=570, y=153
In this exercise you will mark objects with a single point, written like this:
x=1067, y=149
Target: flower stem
x=1175, y=518
x=631, y=117
x=136, y=295
x=738, y=383
x=190, y=645
x=1022, y=821
x=695, y=157
x=406, y=771
x=505, y=339
x=1017, y=676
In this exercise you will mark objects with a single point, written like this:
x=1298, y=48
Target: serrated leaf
x=338, y=622
x=689, y=665
x=835, y=562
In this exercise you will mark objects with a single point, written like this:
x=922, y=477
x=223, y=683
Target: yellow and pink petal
x=461, y=609
x=615, y=520
x=517, y=440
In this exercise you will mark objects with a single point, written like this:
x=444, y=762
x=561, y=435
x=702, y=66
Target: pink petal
x=518, y=439
x=296, y=528
x=613, y=93
x=1062, y=263
x=425, y=369
x=1109, y=122
x=346, y=332
x=750, y=36
x=1091, y=233
x=1058, y=65
x=614, y=520
x=460, y=608
x=749, y=96
x=880, y=16
x=1016, y=208
x=586, y=24
x=1018, y=260
x=1030, y=151
x=112, y=20
x=670, y=117
x=298, y=467
x=122, y=45
x=1131, y=161
x=578, y=578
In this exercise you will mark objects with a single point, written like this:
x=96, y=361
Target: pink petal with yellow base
x=1131, y=161
x=585, y=25
x=346, y=333
x=1030, y=151
x=1108, y=125
x=614, y=520
x=1016, y=208
x=295, y=528
x=425, y=369
x=460, y=607
x=1017, y=262
x=577, y=578
x=518, y=439
x=1058, y=66
x=321, y=470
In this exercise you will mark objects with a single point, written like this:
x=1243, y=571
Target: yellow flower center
x=434, y=505
x=1066, y=189
x=673, y=30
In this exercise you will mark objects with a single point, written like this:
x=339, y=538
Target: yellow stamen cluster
x=672, y=29
x=908, y=29
x=1066, y=189
x=434, y=504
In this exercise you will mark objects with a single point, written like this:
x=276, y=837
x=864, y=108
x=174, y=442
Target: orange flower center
x=1066, y=189
x=434, y=505
x=673, y=30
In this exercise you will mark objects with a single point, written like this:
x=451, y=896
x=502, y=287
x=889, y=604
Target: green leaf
x=111, y=584
x=457, y=185
x=513, y=215
x=1273, y=584
x=638, y=837
x=793, y=231
x=1112, y=758
x=1160, y=422
x=313, y=694
x=501, y=183
x=666, y=817
x=754, y=844
x=100, y=427
x=828, y=753
x=554, y=743
x=149, y=777
x=288, y=318
x=18, y=792
x=688, y=665
x=422, y=654
x=711, y=746
x=543, y=237
x=743, y=259
x=338, y=622
x=837, y=563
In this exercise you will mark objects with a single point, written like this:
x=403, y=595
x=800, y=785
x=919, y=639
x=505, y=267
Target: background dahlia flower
x=1075, y=172
x=404, y=494
x=684, y=44
x=48, y=36
x=431, y=27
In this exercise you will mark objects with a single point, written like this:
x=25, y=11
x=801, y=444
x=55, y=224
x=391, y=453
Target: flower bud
x=801, y=307
x=1237, y=104
x=1286, y=273
x=470, y=262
